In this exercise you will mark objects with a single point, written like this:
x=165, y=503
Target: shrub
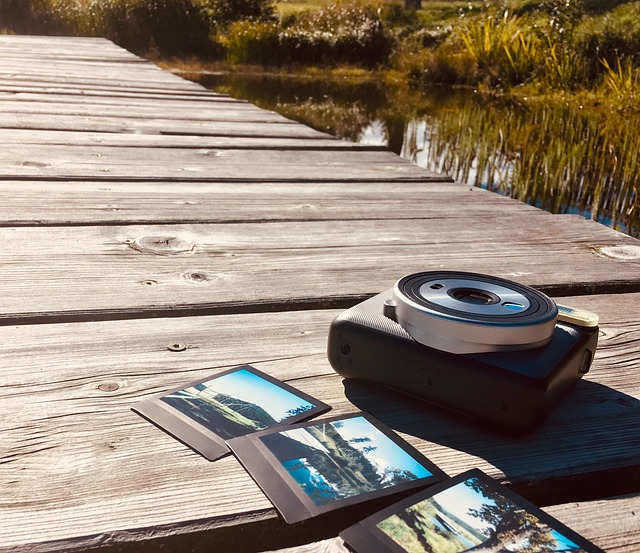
x=329, y=36
x=253, y=42
x=336, y=34
x=504, y=49
x=223, y=12
x=563, y=67
x=614, y=35
x=27, y=17
x=443, y=64
x=175, y=27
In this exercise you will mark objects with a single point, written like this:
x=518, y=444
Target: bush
x=28, y=17
x=223, y=12
x=253, y=42
x=612, y=36
x=175, y=27
x=336, y=34
x=333, y=35
x=504, y=49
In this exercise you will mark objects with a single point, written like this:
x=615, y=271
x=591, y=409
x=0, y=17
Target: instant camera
x=486, y=347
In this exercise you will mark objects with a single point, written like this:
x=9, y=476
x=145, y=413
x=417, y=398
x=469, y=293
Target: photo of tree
x=339, y=459
x=472, y=516
x=237, y=402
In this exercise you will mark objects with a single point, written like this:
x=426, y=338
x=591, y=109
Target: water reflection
x=563, y=160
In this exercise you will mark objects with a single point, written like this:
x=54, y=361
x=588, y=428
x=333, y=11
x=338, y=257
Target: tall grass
x=562, y=160
x=501, y=49
x=555, y=45
x=623, y=80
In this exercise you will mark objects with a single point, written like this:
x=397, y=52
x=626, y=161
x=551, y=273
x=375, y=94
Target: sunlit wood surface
x=139, y=211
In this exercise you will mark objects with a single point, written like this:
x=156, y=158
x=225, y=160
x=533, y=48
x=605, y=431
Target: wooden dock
x=154, y=232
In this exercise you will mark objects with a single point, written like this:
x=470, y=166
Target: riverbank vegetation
x=588, y=49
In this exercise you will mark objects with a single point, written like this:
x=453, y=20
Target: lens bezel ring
x=469, y=328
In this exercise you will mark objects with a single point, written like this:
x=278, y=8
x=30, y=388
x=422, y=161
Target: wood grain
x=140, y=211
x=74, y=451
x=158, y=125
x=167, y=164
x=80, y=273
x=31, y=137
x=180, y=110
x=85, y=48
x=120, y=203
x=612, y=524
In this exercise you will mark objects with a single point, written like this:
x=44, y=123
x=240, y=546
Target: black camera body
x=512, y=390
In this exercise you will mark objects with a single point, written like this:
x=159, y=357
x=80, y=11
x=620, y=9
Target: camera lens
x=476, y=297
x=472, y=313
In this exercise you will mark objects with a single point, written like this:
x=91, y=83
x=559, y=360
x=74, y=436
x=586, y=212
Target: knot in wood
x=108, y=387
x=197, y=276
x=622, y=253
x=161, y=245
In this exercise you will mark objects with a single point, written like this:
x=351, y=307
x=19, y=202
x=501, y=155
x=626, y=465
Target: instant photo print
x=471, y=512
x=205, y=413
x=312, y=468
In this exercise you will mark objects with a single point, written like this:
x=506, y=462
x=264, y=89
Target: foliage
x=223, y=12
x=623, y=80
x=174, y=27
x=501, y=49
x=26, y=16
x=252, y=42
x=552, y=157
x=612, y=35
x=337, y=34
x=329, y=36
x=563, y=68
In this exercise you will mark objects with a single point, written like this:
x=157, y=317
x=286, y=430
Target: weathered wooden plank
x=333, y=545
x=67, y=43
x=82, y=487
x=182, y=111
x=112, y=271
x=88, y=69
x=149, y=80
x=90, y=203
x=76, y=48
x=105, y=80
x=134, y=74
x=215, y=164
x=130, y=140
x=158, y=125
x=89, y=75
x=11, y=86
x=612, y=524
x=41, y=101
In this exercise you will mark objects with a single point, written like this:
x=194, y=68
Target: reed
x=504, y=50
x=561, y=160
x=623, y=80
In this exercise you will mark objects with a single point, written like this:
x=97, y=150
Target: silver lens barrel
x=471, y=313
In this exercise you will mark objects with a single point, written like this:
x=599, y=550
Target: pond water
x=561, y=159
